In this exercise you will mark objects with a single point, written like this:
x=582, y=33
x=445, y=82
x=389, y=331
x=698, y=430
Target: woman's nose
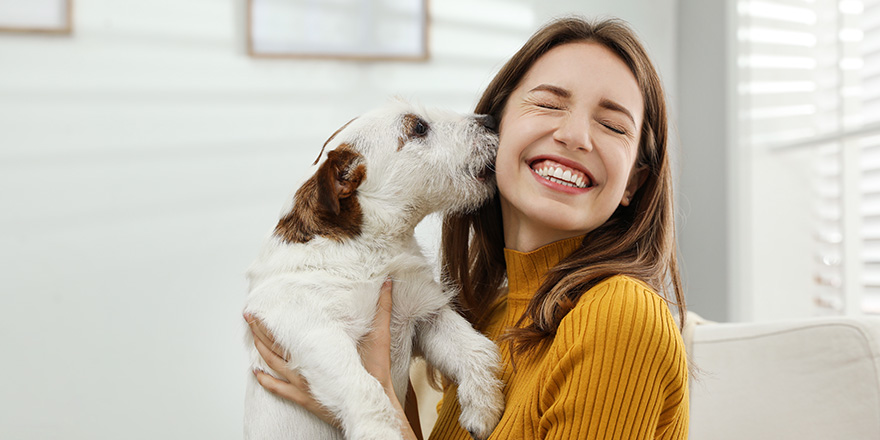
x=574, y=133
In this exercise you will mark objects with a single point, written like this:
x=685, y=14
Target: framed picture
x=341, y=29
x=42, y=16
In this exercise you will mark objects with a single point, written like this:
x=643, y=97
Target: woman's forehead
x=586, y=67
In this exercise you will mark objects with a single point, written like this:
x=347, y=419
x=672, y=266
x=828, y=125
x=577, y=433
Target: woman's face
x=569, y=139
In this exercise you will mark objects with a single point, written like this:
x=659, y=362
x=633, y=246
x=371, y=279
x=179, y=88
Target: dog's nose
x=487, y=121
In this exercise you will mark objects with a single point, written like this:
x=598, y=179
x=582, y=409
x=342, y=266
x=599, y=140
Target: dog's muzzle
x=488, y=122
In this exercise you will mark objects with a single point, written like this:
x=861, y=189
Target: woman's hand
x=291, y=386
x=375, y=349
x=375, y=353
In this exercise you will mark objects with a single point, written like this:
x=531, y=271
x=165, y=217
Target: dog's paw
x=478, y=429
x=481, y=409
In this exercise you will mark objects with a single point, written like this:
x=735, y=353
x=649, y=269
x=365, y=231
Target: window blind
x=868, y=123
x=809, y=86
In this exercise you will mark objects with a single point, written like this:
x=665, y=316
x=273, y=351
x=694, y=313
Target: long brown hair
x=638, y=240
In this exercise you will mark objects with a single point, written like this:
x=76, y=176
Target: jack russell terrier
x=315, y=284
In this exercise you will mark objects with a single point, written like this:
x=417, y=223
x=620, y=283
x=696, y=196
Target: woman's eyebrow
x=559, y=91
x=604, y=103
x=611, y=105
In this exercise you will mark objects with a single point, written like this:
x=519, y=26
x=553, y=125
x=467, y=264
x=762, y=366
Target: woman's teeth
x=563, y=177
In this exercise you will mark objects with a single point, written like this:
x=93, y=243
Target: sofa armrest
x=807, y=379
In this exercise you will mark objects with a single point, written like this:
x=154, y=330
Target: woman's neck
x=524, y=232
x=523, y=236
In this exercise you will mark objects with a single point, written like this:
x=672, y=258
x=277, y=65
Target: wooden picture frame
x=37, y=16
x=340, y=29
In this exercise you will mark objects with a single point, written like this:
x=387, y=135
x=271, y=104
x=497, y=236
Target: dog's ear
x=338, y=178
x=326, y=204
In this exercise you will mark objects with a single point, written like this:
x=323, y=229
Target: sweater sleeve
x=621, y=371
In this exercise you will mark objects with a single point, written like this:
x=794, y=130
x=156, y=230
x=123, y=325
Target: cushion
x=806, y=379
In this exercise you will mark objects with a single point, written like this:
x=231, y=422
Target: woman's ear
x=637, y=177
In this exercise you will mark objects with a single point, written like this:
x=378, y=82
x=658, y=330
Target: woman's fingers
x=281, y=388
x=297, y=392
x=291, y=386
x=262, y=334
x=375, y=354
x=273, y=358
x=275, y=362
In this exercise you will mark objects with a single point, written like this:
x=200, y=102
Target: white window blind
x=809, y=94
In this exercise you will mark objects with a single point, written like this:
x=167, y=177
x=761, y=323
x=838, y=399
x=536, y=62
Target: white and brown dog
x=315, y=285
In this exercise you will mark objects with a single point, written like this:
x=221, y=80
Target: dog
x=315, y=284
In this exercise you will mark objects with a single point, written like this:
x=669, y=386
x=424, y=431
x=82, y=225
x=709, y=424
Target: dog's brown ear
x=338, y=178
x=326, y=204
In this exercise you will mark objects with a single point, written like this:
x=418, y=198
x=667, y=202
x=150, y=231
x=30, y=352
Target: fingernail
x=248, y=317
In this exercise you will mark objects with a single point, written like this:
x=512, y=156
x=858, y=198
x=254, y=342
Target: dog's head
x=393, y=166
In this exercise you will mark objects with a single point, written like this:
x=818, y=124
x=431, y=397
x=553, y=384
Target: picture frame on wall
x=338, y=29
x=36, y=16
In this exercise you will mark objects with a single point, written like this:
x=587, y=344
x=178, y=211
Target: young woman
x=566, y=266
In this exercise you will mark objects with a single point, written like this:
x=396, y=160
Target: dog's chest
x=345, y=279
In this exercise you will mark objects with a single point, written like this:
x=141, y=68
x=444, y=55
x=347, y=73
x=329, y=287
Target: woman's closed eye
x=549, y=106
x=546, y=104
x=614, y=127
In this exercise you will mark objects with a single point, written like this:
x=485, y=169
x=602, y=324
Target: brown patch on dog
x=330, y=139
x=413, y=127
x=326, y=204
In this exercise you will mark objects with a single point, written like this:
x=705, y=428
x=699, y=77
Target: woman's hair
x=638, y=240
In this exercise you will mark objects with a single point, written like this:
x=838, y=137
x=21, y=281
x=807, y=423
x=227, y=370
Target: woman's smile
x=561, y=176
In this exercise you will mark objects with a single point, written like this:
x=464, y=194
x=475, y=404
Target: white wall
x=780, y=260
x=705, y=191
x=142, y=160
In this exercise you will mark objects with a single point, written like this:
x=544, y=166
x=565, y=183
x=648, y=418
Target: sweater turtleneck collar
x=526, y=270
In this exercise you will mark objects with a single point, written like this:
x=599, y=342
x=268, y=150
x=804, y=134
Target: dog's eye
x=413, y=127
x=420, y=128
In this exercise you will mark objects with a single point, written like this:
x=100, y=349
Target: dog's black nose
x=487, y=121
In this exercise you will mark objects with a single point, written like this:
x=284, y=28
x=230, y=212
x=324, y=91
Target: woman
x=582, y=233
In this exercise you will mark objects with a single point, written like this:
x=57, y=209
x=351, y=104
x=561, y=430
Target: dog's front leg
x=451, y=345
x=330, y=363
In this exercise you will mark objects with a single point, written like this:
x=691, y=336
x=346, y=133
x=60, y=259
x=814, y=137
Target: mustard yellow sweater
x=616, y=368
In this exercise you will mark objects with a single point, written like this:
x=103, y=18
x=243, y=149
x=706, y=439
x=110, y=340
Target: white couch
x=807, y=379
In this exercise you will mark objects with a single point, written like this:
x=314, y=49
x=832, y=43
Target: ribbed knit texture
x=616, y=368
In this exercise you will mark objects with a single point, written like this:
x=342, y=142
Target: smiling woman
x=589, y=345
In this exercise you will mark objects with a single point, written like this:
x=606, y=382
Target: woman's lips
x=552, y=170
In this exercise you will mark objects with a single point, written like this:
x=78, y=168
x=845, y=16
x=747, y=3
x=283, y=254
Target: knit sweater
x=616, y=368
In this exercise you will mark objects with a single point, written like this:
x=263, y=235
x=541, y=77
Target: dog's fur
x=316, y=283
